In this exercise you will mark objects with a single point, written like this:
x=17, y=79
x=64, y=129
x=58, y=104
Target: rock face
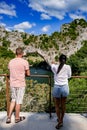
x=66, y=43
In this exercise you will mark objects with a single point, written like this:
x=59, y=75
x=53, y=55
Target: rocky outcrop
x=66, y=45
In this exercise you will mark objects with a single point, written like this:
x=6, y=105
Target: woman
x=61, y=89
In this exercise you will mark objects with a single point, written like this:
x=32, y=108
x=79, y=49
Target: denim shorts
x=60, y=90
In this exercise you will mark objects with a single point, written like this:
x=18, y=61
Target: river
x=40, y=71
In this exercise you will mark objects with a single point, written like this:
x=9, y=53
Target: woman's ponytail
x=62, y=60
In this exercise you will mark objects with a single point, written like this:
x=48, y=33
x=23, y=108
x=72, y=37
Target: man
x=19, y=68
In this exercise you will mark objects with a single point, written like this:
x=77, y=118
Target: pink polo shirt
x=17, y=67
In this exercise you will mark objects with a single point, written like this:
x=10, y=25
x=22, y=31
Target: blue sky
x=40, y=16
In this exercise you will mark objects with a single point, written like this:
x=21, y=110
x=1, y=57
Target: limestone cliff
x=68, y=41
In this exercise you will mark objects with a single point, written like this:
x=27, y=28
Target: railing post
x=7, y=94
x=50, y=96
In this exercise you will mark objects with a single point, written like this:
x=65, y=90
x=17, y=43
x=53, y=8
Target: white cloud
x=21, y=27
x=45, y=16
x=45, y=28
x=75, y=16
x=32, y=32
x=7, y=29
x=19, y=30
x=3, y=24
x=52, y=8
x=24, y=25
x=58, y=8
x=7, y=9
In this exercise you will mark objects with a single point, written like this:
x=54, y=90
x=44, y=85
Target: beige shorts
x=17, y=94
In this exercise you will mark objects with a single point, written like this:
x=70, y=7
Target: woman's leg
x=63, y=107
x=57, y=102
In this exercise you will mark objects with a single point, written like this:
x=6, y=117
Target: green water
x=39, y=71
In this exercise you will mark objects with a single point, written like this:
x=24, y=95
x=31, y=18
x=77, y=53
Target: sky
x=40, y=16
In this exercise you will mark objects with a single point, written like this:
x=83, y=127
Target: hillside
x=68, y=41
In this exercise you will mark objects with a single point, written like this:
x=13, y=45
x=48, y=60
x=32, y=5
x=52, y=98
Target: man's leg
x=19, y=100
x=13, y=101
x=12, y=105
x=17, y=109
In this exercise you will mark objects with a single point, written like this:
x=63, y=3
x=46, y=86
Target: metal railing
x=40, y=77
x=8, y=90
x=77, y=99
x=49, y=77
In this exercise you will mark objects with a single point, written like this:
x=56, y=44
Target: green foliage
x=74, y=62
x=55, y=35
x=49, y=42
x=5, y=43
x=82, y=53
x=4, y=65
x=44, y=44
x=4, y=52
x=71, y=31
x=56, y=58
x=83, y=23
x=36, y=97
x=26, y=41
x=24, y=35
x=30, y=39
x=2, y=98
x=77, y=99
x=5, y=56
x=78, y=61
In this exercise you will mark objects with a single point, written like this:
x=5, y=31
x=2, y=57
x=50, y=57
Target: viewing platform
x=41, y=121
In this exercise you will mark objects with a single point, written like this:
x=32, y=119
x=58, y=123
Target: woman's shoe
x=60, y=124
x=8, y=120
x=57, y=120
